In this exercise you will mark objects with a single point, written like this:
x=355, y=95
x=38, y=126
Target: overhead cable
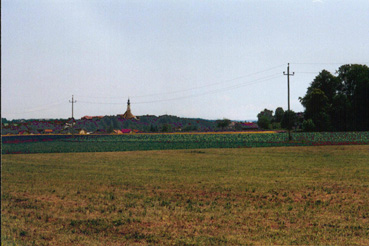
x=40, y=108
x=199, y=94
x=193, y=88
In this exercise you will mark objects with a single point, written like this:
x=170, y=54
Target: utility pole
x=73, y=102
x=288, y=86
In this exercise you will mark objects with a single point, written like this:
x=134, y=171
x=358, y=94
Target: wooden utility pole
x=73, y=102
x=288, y=98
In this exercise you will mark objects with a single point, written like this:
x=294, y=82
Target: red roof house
x=126, y=130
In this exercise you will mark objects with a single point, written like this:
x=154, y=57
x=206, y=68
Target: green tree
x=355, y=83
x=278, y=115
x=327, y=83
x=115, y=123
x=340, y=113
x=166, y=128
x=153, y=128
x=339, y=103
x=267, y=113
x=289, y=119
x=317, y=108
x=264, y=122
x=319, y=99
x=276, y=125
x=223, y=123
x=265, y=119
x=4, y=120
x=308, y=125
x=110, y=129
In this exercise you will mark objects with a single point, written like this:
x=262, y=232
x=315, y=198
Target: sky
x=197, y=59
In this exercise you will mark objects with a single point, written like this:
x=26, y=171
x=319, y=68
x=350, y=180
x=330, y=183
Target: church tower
x=128, y=106
x=128, y=114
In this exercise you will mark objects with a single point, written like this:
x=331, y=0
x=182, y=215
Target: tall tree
x=289, y=119
x=339, y=103
x=265, y=118
x=267, y=113
x=278, y=115
x=317, y=108
x=319, y=99
x=264, y=122
x=340, y=113
x=355, y=80
x=328, y=83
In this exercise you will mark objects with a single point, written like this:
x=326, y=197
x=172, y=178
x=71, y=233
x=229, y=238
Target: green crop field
x=280, y=195
x=131, y=142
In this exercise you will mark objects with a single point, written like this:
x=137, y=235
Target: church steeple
x=128, y=106
x=128, y=114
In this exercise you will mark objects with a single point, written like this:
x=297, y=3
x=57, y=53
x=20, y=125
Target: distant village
x=126, y=123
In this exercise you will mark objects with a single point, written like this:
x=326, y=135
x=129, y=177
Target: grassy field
x=285, y=195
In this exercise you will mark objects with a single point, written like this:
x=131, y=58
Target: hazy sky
x=206, y=59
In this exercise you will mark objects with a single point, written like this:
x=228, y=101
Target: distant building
x=126, y=131
x=249, y=126
x=118, y=132
x=91, y=117
x=82, y=132
x=87, y=117
x=128, y=114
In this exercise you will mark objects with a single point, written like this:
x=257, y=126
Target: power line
x=208, y=85
x=200, y=94
x=308, y=72
x=39, y=108
x=193, y=88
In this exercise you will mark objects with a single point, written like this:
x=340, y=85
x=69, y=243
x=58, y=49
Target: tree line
x=279, y=119
x=333, y=102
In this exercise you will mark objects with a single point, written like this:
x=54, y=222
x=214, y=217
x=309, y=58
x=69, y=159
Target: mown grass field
x=285, y=195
